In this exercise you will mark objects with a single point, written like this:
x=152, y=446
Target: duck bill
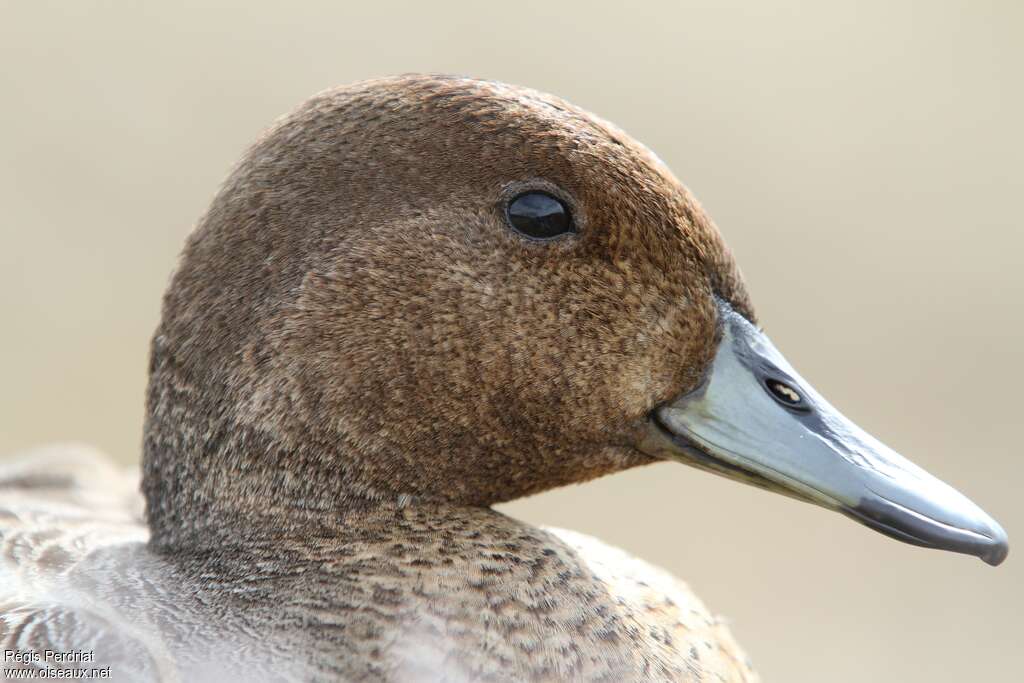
x=756, y=420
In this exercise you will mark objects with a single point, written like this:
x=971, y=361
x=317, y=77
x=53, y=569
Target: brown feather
x=356, y=358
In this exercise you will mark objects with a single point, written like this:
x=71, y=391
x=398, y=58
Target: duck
x=414, y=298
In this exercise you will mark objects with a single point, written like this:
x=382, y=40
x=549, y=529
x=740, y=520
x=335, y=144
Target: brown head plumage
x=354, y=318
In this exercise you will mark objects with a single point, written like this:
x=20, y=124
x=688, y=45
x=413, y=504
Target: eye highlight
x=539, y=216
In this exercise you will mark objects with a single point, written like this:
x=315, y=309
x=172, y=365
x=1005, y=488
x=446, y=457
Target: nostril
x=785, y=394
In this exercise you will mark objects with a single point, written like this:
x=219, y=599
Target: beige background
x=864, y=161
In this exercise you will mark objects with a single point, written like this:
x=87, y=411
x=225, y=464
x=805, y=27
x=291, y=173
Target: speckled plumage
x=403, y=594
x=356, y=358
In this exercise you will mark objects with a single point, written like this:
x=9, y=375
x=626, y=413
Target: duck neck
x=211, y=482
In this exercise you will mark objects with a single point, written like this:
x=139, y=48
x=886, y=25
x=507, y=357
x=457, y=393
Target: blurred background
x=863, y=159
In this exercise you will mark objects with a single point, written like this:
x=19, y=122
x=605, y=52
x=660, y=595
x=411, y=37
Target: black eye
x=539, y=215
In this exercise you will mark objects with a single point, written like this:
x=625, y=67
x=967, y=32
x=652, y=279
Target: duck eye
x=539, y=215
x=785, y=394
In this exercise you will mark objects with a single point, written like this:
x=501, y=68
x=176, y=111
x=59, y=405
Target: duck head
x=440, y=289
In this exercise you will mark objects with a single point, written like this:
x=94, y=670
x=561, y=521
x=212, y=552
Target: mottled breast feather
x=406, y=594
